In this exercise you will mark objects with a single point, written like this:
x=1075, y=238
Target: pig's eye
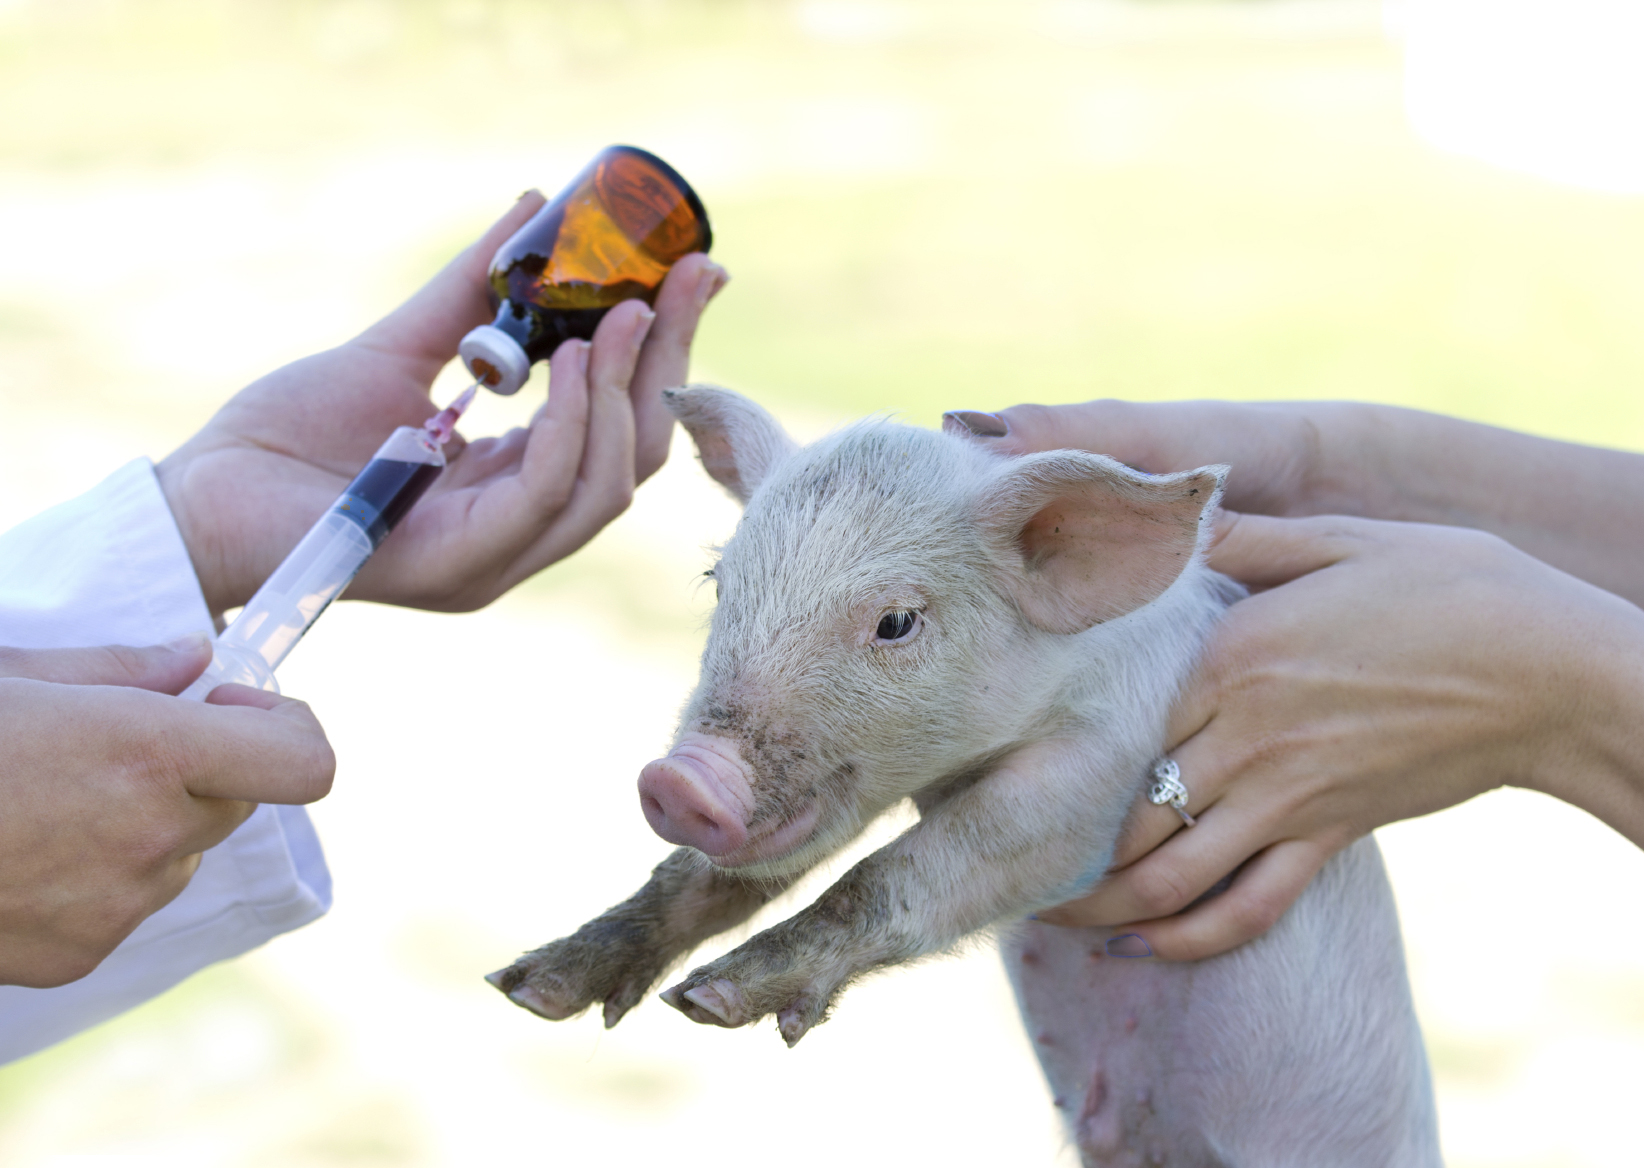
x=898, y=625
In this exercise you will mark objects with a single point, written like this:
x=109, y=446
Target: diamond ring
x=1168, y=789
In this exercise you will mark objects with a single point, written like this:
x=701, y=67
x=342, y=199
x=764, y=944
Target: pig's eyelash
x=898, y=625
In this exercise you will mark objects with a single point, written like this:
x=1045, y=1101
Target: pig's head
x=898, y=609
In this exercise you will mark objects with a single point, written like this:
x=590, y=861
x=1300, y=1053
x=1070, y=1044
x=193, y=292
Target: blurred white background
x=925, y=206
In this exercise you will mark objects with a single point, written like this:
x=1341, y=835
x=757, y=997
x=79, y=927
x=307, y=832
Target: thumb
x=1263, y=551
x=430, y=325
x=162, y=668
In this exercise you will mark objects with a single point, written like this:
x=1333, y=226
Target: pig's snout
x=699, y=795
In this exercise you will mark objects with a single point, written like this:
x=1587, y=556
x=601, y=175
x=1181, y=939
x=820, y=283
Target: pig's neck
x=1122, y=676
x=1112, y=684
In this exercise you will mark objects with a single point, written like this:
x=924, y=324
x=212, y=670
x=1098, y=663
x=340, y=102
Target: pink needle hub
x=442, y=424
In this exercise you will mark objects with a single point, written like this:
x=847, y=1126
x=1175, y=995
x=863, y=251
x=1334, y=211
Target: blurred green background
x=925, y=205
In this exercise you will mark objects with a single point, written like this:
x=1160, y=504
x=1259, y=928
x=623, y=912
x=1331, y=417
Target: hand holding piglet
x=1392, y=669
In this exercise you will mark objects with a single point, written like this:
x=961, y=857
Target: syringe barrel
x=232, y=664
x=323, y=563
x=310, y=578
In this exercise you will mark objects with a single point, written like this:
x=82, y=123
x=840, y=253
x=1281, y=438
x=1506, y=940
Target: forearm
x=1579, y=508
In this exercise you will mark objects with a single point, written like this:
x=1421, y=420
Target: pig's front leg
x=617, y=957
x=1032, y=834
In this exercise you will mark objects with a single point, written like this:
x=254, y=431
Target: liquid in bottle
x=612, y=235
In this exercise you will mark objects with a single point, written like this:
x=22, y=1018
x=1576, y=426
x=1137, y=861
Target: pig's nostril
x=654, y=810
x=685, y=807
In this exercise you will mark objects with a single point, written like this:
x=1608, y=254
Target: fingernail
x=583, y=349
x=974, y=424
x=643, y=328
x=721, y=278
x=1128, y=945
x=708, y=284
x=191, y=643
x=527, y=193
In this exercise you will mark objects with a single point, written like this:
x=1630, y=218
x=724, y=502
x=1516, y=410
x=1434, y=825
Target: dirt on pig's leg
x=618, y=957
x=999, y=849
x=795, y=969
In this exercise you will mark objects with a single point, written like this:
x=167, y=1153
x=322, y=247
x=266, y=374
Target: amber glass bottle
x=610, y=236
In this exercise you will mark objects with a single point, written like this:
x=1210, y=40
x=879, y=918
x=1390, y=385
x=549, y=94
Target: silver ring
x=1168, y=789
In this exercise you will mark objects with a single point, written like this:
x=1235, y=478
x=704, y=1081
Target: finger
x=558, y=437
x=1262, y=551
x=234, y=694
x=1273, y=447
x=1200, y=761
x=428, y=327
x=1024, y=429
x=664, y=360
x=1173, y=875
x=605, y=480
x=535, y=473
x=162, y=668
x=243, y=744
x=1252, y=904
x=1135, y=434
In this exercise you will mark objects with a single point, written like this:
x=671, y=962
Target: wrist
x=1595, y=758
x=172, y=474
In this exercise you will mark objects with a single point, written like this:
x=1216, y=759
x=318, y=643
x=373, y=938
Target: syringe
x=330, y=555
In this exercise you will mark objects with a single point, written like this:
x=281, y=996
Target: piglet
x=903, y=615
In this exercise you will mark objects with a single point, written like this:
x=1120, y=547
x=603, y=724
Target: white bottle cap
x=495, y=359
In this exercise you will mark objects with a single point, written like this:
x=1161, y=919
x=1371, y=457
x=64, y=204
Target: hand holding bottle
x=249, y=484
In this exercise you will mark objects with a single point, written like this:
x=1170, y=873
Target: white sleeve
x=110, y=568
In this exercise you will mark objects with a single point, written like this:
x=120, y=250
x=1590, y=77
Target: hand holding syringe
x=330, y=555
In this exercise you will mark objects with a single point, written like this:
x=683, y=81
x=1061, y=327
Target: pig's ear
x=1083, y=539
x=737, y=441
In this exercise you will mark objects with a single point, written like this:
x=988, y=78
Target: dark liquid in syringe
x=383, y=492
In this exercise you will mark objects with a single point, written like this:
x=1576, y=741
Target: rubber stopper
x=495, y=359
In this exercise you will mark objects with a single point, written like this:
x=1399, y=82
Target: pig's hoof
x=529, y=997
x=721, y=999
x=795, y=1019
x=532, y=1000
x=715, y=1003
x=547, y=999
x=506, y=978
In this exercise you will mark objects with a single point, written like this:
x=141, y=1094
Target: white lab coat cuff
x=110, y=567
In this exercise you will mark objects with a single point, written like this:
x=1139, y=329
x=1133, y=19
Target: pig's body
x=1298, y=1049
x=903, y=615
